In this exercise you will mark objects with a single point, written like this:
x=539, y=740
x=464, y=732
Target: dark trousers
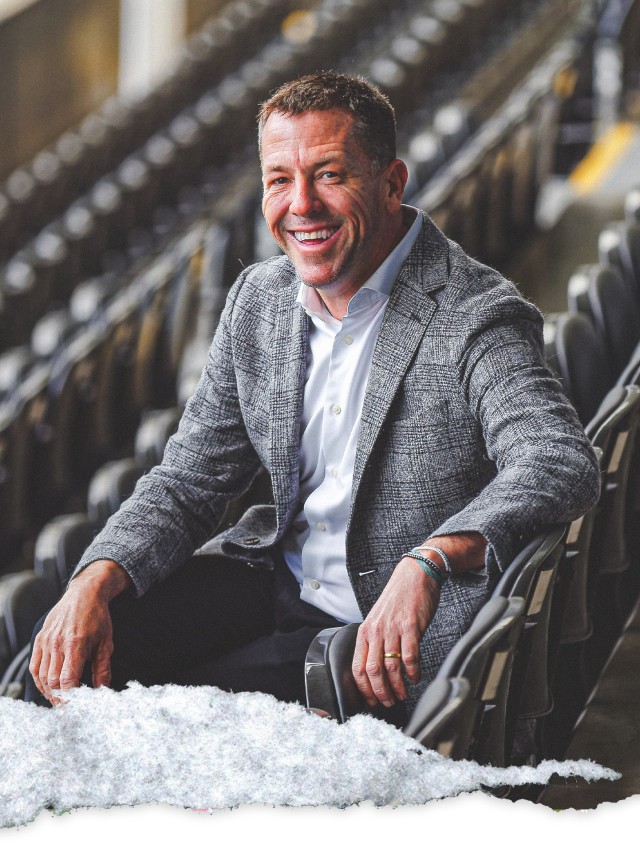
x=215, y=622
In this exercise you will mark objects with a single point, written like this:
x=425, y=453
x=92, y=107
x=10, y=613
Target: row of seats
x=79, y=405
x=39, y=192
x=485, y=196
x=180, y=170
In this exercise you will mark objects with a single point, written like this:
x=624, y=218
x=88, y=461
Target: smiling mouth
x=321, y=235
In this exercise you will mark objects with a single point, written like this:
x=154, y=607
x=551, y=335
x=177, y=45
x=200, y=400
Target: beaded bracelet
x=441, y=554
x=431, y=568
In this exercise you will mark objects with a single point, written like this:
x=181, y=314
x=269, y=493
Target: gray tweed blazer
x=463, y=428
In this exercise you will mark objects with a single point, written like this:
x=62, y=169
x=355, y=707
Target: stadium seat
x=153, y=433
x=482, y=658
x=59, y=546
x=12, y=681
x=474, y=678
x=632, y=206
x=532, y=576
x=602, y=294
x=577, y=356
x=614, y=429
x=110, y=486
x=619, y=246
x=24, y=598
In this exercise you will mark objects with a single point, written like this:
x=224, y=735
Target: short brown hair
x=373, y=116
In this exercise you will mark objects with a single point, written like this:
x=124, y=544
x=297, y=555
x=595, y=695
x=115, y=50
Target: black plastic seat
x=153, y=433
x=632, y=205
x=12, y=681
x=475, y=676
x=59, y=546
x=24, y=488
x=532, y=576
x=24, y=598
x=50, y=333
x=110, y=486
x=14, y=515
x=601, y=293
x=614, y=429
x=69, y=447
x=619, y=246
x=329, y=683
x=115, y=413
x=463, y=711
x=571, y=626
x=577, y=355
x=14, y=364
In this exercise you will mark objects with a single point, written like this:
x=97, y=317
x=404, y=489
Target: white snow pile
x=200, y=747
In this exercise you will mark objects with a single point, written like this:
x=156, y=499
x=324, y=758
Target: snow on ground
x=200, y=747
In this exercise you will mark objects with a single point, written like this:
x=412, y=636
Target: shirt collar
x=378, y=287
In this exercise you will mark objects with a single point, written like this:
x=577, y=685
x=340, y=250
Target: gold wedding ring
x=393, y=656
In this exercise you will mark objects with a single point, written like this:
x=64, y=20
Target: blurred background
x=130, y=200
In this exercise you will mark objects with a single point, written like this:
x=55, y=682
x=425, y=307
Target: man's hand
x=395, y=624
x=78, y=629
x=400, y=616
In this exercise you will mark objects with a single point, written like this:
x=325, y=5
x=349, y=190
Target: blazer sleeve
x=547, y=471
x=177, y=506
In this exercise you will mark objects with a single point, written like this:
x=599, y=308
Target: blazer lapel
x=406, y=318
x=291, y=332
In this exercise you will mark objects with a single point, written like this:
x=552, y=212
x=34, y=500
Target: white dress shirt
x=338, y=364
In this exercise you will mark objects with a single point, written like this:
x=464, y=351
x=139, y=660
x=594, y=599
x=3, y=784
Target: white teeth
x=302, y=236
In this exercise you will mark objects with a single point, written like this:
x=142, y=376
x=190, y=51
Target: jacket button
x=252, y=540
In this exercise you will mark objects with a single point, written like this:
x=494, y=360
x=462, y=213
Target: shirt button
x=348, y=340
x=334, y=472
x=320, y=526
x=314, y=584
x=336, y=409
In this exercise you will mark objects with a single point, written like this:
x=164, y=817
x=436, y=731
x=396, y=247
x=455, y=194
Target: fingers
x=52, y=670
x=410, y=649
x=379, y=678
x=394, y=670
x=76, y=630
x=101, y=665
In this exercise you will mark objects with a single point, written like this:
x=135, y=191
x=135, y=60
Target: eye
x=327, y=175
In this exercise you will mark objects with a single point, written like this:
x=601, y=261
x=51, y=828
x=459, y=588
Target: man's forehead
x=314, y=135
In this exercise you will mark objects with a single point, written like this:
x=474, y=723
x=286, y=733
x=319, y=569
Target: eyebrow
x=319, y=165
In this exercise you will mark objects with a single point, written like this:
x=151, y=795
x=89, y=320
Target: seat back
x=531, y=576
x=614, y=429
x=110, y=486
x=12, y=681
x=619, y=246
x=476, y=727
x=153, y=433
x=59, y=546
x=576, y=354
x=602, y=293
x=24, y=598
x=443, y=710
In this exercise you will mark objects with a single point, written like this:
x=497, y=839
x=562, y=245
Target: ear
x=396, y=180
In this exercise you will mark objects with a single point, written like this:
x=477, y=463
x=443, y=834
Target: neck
x=337, y=296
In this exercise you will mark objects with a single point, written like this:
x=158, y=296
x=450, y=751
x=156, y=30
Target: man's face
x=334, y=215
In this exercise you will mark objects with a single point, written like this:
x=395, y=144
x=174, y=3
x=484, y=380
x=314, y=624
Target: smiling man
x=395, y=392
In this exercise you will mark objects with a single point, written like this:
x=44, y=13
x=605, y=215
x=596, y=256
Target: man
x=394, y=390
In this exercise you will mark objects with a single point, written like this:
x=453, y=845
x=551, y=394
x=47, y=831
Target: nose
x=304, y=199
